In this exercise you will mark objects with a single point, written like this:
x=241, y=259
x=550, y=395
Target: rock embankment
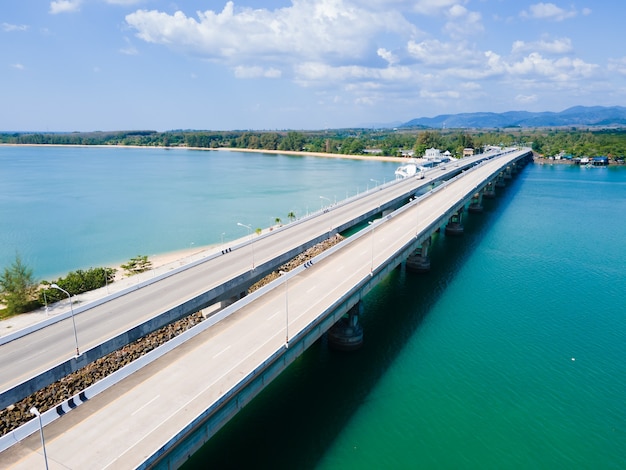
x=19, y=413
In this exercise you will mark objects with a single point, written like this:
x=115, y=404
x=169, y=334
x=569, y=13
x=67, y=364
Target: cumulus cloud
x=7, y=27
x=18, y=66
x=558, y=46
x=333, y=29
x=462, y=22
x=389, y=56
x=563, y=69
x=64, y=6
x=549, y=11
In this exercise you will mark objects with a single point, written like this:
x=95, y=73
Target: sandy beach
x=380, y=158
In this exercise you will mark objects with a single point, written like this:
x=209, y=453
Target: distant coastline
x=380, y=158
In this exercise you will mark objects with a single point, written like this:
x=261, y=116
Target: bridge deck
x=123, y=426
x=107, y=326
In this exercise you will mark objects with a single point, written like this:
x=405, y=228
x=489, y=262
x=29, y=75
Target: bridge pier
x=490, y=191
x=476, y=203
x=500, y=183
x=508, y=173
x=455, y=224
x=347, y=333
x=419, y=261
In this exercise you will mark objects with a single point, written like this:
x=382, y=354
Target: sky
x=101, y=65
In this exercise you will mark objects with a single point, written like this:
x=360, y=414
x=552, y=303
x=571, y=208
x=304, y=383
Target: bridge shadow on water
x=298, y=416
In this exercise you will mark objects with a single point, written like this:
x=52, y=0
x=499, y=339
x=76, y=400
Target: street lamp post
x=249, y=227
x=35, y=412
x=372, y=265
x=284, y=273
x=322, y=198
x=375, y=181
x=55, y=286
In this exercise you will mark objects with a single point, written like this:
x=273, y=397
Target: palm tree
x=291, y=216
x=277, y=220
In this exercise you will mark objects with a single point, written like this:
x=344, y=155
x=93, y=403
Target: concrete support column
x=476, y=204
x=347, y=333
x=500, y=181
x=490, y=191
x=419, y=261
x=508, y=173
x=455, y=224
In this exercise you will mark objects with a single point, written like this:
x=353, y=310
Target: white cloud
x=389, y=56
x=256, y=72
x=558, y=46
x=462, y=22
x=549, y=11
x=435, y=53
x=307, y=30
x=526, y=99
x=64, y=6
x=18, y=66
x=618, y=65
x=433, y=7
x=563, y=69
x=7, y=27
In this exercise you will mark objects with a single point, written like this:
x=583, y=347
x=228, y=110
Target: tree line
x=388, y=142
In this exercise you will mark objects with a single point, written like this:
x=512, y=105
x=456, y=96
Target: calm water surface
x=510, y=353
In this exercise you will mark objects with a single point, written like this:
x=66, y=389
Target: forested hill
x=578, y=116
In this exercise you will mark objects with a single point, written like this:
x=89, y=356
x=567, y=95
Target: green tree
x=136, y=265
x=17, y=287
x=291, y=216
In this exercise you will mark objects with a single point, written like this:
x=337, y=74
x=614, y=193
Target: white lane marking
x=143, y=406
x=273, y=315
x=311, y=289
x=221, y=352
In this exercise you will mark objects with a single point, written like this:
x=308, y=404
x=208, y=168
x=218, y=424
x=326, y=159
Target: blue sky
x=82, y=65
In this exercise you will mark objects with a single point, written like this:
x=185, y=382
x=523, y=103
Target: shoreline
x=381, y=158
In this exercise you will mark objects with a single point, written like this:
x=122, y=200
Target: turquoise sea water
x=510, y=353
x=67, y=208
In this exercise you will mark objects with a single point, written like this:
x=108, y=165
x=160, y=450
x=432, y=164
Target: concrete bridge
x=184, y=394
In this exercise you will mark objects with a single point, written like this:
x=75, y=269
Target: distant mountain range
x=578, y=116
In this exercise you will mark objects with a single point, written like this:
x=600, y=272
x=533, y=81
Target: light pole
x=329, y=201
x=55, y=286
x=223, y=233
x=375, y=181
x=416, y=216
x=249, y=227
x=35, y=412
x=372, y=266
x=284, y=273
